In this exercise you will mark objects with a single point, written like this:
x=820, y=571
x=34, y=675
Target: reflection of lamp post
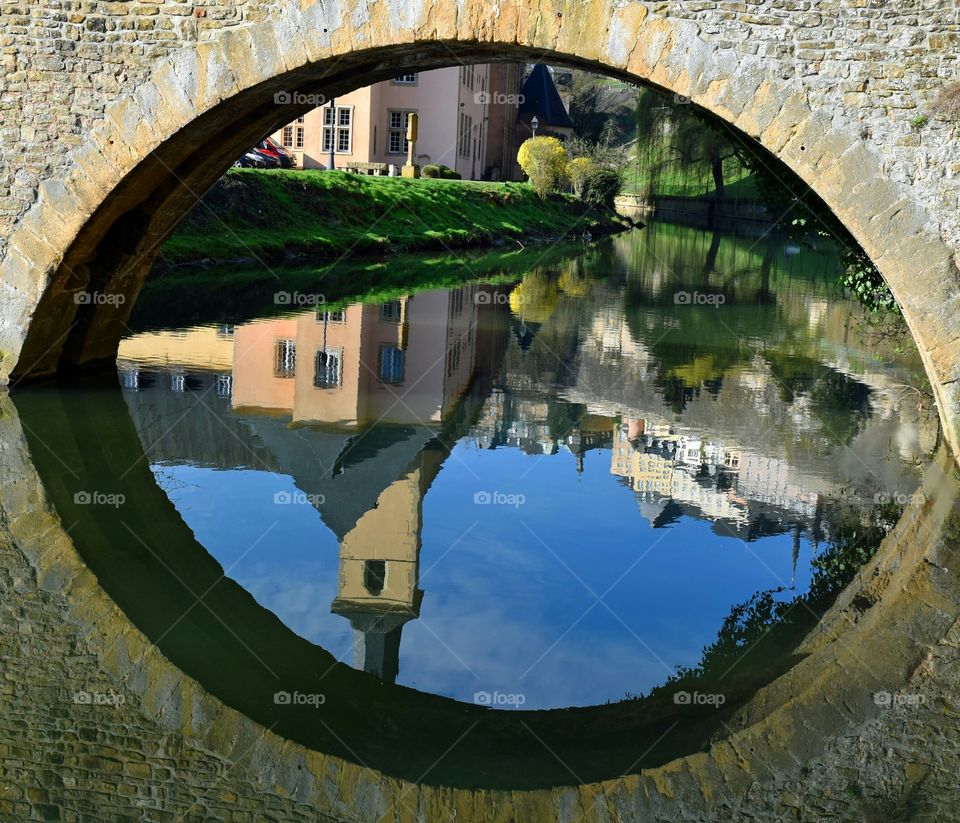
x=534, y=123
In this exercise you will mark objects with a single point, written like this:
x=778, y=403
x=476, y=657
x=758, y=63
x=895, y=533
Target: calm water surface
x=533, y=494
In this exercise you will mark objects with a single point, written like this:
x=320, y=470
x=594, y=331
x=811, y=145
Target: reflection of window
x=397, y=132
x=456, y=302
x=405, y=80
x=453, y=358
x=130, y=378
x=374, y=576
x=285, y=359
x=331, y=316
x=224, y=385
x=225, y=331
x=178, y=382
x=328, y=368
x=392, y=363
x=338, y=124
x=391, y=312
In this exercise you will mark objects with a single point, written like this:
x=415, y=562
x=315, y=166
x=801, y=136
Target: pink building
x=368, y=126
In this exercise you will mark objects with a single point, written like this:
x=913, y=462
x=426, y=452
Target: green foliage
x=578, y=170
x=544, y=161
x=919, y=121
x=438, y=171
x=600, y=188
x=681, y=151
x=784, y=193
x=601, y=108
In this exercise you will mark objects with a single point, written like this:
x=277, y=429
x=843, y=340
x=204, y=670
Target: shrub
x=544, y=161
x=439, y=171
x=601, y=187
x=578, y=170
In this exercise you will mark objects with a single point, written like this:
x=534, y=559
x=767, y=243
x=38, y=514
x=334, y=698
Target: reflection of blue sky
x=511, y=607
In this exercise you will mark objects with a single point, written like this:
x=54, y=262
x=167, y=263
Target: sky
x=570, y=598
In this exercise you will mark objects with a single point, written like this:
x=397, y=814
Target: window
x=456, y=302
x=397, y=132
x=328, y=368
x=374, y=576
x=468, y=77
x=338, y=317
x=405, y=80
x=338, y=126
x=391, y=312
x=178, y=382
x=224, y=385
x=285, y=358
x=465, y=135
x=292, y=135
x=391, y=363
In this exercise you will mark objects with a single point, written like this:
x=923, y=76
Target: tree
x=544, y=161
x=579, y=170
x=601, y=110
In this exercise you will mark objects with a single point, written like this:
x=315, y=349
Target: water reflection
x=589, y=466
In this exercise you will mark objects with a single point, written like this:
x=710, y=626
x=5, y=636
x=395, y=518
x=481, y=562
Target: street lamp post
x=331, y=159
x=534, y=123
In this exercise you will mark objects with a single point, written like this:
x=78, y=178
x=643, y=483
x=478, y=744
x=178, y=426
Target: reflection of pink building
x=405, y=361
x=455, y=106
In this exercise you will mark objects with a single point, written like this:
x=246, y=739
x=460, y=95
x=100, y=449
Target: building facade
x=462, y=110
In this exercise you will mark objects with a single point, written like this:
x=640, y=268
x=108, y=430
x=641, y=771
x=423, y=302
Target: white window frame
x=332, y=132
x=402, y=130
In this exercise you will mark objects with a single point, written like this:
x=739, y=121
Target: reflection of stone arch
x=97, y=229
x=872, y=641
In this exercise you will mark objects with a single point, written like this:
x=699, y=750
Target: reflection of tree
x=760, y=635
x=838, y=402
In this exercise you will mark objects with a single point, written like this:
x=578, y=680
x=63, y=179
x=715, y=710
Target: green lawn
x=277, y=214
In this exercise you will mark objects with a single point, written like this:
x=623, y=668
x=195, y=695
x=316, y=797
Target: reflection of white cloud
x=490, y=610
x=499, y=649
x=301, y=598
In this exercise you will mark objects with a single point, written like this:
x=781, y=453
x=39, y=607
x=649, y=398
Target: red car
x=270, y=148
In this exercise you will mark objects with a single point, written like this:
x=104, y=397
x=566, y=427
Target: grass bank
x=279, y=215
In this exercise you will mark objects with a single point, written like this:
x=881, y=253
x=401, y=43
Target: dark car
x=251, y=160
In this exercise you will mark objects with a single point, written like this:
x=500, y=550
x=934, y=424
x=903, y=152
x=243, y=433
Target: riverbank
x=281, y=215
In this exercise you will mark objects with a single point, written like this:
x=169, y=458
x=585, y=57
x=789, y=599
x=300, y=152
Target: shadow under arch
x=169, y=141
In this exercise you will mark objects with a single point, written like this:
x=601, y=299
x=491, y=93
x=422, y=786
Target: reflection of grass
x=196, y=296
x=278, y=213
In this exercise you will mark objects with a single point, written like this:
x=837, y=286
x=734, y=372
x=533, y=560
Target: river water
x=598, y=474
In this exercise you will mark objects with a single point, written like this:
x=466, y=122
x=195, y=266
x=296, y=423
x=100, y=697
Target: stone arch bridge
x=119, y=114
